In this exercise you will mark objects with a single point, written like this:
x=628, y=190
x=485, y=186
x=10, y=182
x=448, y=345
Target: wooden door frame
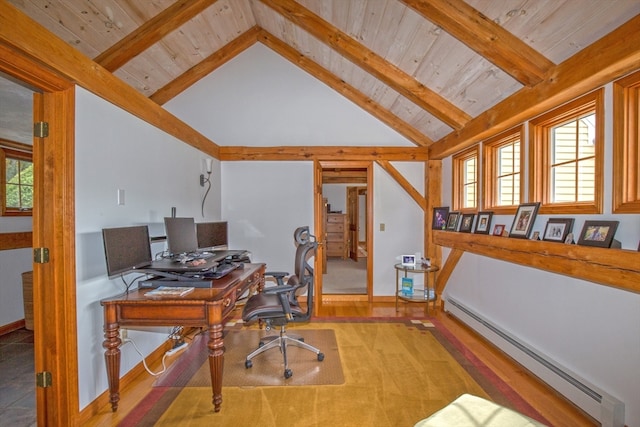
x=319, y=226
x=353, y=213
x=54, y=282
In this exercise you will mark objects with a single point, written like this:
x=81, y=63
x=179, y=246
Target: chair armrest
x=278, y=275
x=280, y=289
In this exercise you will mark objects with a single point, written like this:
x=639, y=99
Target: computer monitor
x=181, y=235
x=212, y=234
x=126, y=248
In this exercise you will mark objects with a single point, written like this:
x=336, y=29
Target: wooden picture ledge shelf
x=618, y=268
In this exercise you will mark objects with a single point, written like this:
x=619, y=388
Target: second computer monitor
x=181, y=235
x=212, y=234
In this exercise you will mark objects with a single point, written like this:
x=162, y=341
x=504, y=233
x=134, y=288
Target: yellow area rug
x=192, y=370
x=395, y=374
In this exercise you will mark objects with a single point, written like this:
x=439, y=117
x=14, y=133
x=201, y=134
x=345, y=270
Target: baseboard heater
x=605, y=408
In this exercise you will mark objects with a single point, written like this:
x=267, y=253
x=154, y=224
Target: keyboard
x=188, y=257
x=223, y=269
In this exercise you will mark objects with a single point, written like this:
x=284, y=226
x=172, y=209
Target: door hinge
x=43, y=379
x=41, y=129
x=41, y=255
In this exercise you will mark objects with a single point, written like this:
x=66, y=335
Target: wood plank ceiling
x=426, y=68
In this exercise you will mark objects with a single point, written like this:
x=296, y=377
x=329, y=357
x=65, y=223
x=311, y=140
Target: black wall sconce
x=206, y=179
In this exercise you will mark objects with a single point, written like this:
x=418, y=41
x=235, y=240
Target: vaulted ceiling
x=425, y=68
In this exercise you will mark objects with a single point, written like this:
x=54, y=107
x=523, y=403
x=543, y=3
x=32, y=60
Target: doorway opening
x=345, y=218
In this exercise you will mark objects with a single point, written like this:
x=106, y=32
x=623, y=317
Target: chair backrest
x=304, y=270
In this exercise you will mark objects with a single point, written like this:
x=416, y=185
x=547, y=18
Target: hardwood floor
x=558, y=411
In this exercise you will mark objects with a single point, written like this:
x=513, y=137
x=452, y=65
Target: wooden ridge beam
x=231, y=153
x=203, y=68
x=343, y=88
x=151, y=32
x=609, y=58
x=371, y=62
x=485, y=37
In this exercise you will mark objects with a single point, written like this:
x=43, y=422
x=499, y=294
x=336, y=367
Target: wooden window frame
x=458, y=162
x=12, y=150
x=490, y=149
x=626, y=144
x=539, y=152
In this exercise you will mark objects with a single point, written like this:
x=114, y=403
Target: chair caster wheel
x=248, y=364
x=320, y=357
x=288, y=373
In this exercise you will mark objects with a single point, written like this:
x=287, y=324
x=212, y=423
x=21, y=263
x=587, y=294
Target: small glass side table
x=419, y=295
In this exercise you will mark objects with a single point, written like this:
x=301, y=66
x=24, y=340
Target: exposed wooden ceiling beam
x=344, y=89
x=343, y=176
x=212, y=62
x=21, y=33
x=404, y=183
x=344, y=173
x=607, y=59
x=151, y=32
x=487, y=38
x=323, y=153
x=346, y=180
x=371, y=62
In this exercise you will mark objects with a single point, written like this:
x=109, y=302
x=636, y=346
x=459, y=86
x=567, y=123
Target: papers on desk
x=173, y=291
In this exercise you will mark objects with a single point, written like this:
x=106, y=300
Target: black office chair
x=278, y=305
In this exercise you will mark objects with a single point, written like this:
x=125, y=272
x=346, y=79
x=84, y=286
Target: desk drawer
x=229, y=303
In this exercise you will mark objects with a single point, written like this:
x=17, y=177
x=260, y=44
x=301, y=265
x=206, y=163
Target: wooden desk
x=204, y=307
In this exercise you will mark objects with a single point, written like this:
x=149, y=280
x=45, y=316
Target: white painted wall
x=264, y=202
x=12, y=264
x=259, y=98
x=336, y=195
x=115, y=150
x=592, y=329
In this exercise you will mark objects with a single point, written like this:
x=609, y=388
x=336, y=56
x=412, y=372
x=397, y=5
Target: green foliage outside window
x=19, y=185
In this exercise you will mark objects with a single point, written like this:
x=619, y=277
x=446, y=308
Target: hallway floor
x=345, y=276
x=17, y=379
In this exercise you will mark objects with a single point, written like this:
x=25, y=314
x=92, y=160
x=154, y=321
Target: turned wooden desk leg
x=216, y=364
x=112, y=355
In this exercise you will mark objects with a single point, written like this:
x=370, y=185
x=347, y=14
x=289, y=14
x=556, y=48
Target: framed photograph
x=536, y=235
x=557, y=229
x=523, y=222
x=452, y=221
x=466, y=223
x=598, y=233
x=440, y=215
x=483, y=223
x=409, y=260
x=498, y=230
